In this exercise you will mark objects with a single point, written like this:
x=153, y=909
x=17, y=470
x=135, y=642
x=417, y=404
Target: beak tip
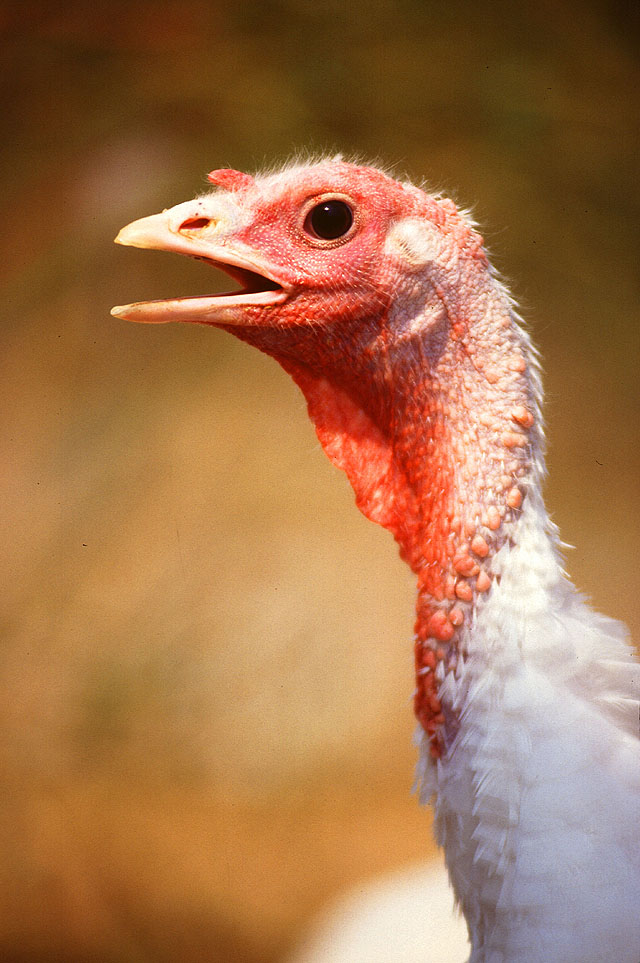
x=126, y=236
x=141, y=233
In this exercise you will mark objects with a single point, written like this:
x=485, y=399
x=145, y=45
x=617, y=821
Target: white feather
x=538, y=804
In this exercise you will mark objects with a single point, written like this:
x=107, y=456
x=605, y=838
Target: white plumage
x=540, y=816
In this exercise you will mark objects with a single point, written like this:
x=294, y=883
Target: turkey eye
x=329, y=220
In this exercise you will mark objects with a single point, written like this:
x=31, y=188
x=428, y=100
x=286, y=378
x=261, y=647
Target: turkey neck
x=466, y=440
x=431, y=409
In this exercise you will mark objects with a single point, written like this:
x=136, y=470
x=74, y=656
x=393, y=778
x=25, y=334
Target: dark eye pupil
x=330, y=219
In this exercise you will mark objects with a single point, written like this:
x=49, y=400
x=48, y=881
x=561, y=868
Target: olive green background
x=205, y=663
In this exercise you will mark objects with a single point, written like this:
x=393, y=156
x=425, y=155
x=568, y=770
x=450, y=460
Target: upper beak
x=189, y=229
x=148, y=232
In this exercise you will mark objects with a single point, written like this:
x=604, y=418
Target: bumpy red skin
x=415, y=378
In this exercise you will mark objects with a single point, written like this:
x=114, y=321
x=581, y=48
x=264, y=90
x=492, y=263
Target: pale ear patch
x=415, y=241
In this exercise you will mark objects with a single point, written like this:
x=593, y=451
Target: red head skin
x=406, y=349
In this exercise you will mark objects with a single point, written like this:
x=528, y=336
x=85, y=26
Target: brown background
x=205, y=666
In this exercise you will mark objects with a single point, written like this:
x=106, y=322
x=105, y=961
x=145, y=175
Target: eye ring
x=329, y=220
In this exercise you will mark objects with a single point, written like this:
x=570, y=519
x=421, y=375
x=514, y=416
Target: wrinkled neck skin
x=430, y=406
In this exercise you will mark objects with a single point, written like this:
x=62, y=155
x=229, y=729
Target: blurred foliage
x=205, y=660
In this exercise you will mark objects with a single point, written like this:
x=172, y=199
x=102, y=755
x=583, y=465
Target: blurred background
x=205, y=663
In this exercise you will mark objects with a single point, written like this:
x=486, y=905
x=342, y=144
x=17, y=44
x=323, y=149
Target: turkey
x=380, y=302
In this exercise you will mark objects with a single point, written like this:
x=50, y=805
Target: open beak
x=187, y=229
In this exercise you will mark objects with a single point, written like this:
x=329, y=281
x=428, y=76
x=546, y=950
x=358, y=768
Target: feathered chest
x=538, y=799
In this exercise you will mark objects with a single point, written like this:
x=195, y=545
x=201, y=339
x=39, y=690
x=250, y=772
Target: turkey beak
x=196, y=230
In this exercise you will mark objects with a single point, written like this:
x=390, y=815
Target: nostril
x=194, y=224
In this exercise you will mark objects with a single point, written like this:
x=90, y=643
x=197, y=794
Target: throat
x=449, y=475
x=437, y=429
x=449, y=481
